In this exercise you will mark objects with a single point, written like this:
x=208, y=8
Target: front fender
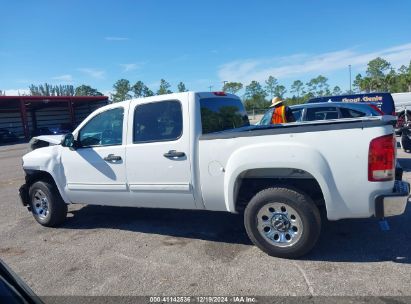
x=47, y=159
x=284, y=155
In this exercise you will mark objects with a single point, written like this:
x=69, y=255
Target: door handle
x=112, y=157
x=174, y=153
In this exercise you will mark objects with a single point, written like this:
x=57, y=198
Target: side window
x=321, y=113
x=350, y=113
x=104, y=129
x=158, y=121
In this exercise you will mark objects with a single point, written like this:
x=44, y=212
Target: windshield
x=220, y=114
x=266, y=119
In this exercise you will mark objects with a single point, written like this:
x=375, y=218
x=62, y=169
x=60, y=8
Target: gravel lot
x=130, y=251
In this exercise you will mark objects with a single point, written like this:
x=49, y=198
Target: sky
x=201, y=43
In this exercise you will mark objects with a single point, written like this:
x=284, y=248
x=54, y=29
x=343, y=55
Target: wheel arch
x=250, y=182
x=282, y=163
x=33, y=176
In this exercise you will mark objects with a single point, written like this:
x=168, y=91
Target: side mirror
x=68, y=141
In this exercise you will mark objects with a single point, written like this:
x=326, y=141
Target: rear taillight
x=220, y=94
x=381, y=159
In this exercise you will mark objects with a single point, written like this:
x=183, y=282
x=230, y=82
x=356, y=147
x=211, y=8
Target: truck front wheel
x=46, y=204
x=282, y=222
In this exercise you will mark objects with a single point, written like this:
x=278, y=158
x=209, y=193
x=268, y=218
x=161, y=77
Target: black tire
x=56, y=207
x=307, y=215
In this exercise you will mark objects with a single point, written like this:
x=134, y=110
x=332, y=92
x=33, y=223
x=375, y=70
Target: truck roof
x=202, y=94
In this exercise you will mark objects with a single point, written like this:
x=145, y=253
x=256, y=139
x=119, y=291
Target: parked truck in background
x=197, y=151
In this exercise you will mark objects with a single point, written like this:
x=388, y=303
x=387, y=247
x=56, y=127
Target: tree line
x=62, y=90
x=124, y=90
x=258, y=96
x=380, y=76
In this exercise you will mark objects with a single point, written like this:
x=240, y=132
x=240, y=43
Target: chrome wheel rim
x=279, y=224
x=40, y=204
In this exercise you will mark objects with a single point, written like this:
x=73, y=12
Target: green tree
x=367, y=84
x=336, y=90
x=357, y=83
x=51, y=90
x=297, y=87
x=34, y=90
x=255, y=96
x=45, y=89
x=280, y=90
x=181, y=87
x=270, y=86
x=147, y=92
x=85, y=90
x=138, y=89
x=141, y=90
x=232, y=87
x=318, y=86
x=391, y=82
x=376, y=71
x=121, y=90
x=377, y=67
x=404, y=78
x=164, y=88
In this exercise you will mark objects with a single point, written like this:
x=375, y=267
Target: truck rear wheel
x=282, y=222
x=46, y=204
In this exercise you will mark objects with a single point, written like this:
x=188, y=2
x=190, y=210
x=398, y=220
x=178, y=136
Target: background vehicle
x=197, y=151
x=406, y=138
x=402, y=103
x=321, y=111
x=383, y=101
x=403, y=119
x=7, y=136
x=62, y=129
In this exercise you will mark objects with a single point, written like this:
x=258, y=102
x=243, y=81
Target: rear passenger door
x=158, y=155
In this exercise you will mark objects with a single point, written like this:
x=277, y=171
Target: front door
x=158, y=155
x=95, y=170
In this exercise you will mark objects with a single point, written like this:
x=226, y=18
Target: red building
x=24, y=115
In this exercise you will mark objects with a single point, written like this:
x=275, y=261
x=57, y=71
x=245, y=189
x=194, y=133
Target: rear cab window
x=222, y=113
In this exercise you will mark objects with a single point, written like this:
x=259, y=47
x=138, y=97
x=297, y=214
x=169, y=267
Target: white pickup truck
x=197, y=151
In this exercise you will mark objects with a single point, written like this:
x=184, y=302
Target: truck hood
x=44, y=141
x=52, y=139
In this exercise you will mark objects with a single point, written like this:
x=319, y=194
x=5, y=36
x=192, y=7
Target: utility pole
x=349, y=69
x=210, y=87
x=224, y=82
